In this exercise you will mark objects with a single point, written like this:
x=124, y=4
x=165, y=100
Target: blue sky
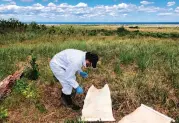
x=91, y=10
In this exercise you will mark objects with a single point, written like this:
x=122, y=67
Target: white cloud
x=122, y=5
x=51, y=5
x=149, y=9
x=27, y=0
x=112, y=14
x=124, y=15
x=64, y=5
x=12, y=3
x=7, y=0
x=37, y=5
x=8, y=7
x=171, y=3
x=165, y=14
x=81, y=5
x=177, y=9
x=170, y=9
x=146, y=2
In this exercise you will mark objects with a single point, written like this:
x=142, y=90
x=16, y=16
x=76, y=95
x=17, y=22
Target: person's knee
x=67, y=90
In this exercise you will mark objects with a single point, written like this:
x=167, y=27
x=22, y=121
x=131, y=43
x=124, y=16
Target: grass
x=139, y=69
x=3, y=114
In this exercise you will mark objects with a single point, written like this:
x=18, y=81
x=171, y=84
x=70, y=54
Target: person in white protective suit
x=65, y=65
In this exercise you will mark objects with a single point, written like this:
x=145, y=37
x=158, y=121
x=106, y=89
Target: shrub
x=11, y=25
x=33, y=26
x=92, y=33
x=20, y=86
x=32, y=72
x=52, y=30
x=27, y=90
x=108, y=33
x=134, y=27
x=43, y=27
x=121, y=31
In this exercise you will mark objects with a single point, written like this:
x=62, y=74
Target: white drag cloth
x=97, y=105
x=145, y=114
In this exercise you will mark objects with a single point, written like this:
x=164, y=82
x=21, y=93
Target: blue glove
x=84, y=74
x=79, y=90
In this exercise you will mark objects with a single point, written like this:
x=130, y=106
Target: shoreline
x=143, y=24
x=126, y=25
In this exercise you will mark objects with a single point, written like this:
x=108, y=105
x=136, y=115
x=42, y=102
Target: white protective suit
x=64, y=66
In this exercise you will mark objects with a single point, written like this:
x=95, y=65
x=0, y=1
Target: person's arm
x=70, y=75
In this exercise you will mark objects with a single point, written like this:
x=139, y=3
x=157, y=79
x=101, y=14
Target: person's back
x=68, y=56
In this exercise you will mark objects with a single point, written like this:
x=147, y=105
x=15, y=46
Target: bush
x=20, y=86
x=27, y=90
x=32, y=72
x=11, y=25
x=134, y=27
x=121, y=31
x=174, y=35
x=43, y=27
x=33, y=26
x=159, y=34
x=92, y=33
x=52, y=30
x=108, y=32
x=71, y=30
x=136, y=31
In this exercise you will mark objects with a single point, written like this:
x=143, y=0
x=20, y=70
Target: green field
x=140, y=64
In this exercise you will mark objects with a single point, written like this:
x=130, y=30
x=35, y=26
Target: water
x=111, y=23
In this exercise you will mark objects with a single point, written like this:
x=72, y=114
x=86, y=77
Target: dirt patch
x=51, y=96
